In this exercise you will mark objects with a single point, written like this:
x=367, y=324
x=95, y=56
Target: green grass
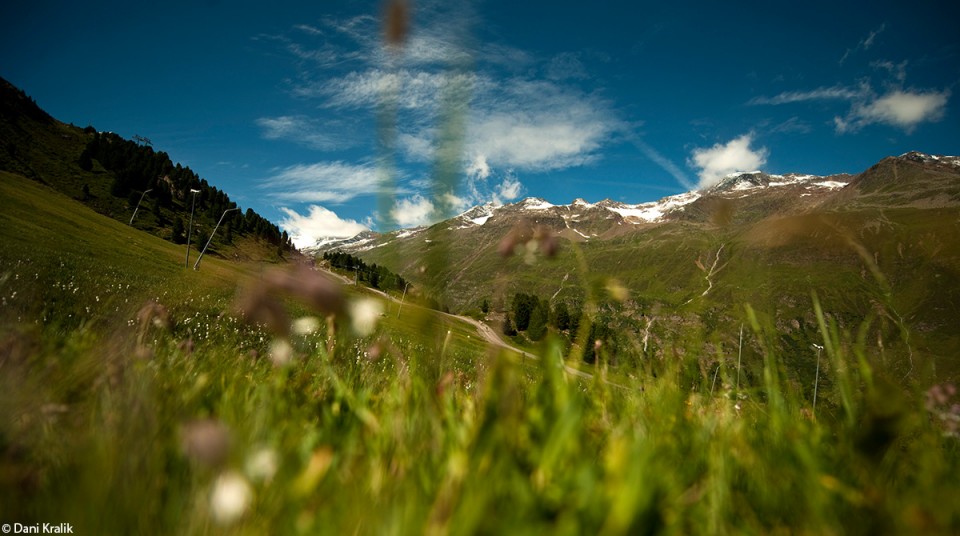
x=419, y=426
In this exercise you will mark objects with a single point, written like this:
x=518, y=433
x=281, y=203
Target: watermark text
x=37, y=528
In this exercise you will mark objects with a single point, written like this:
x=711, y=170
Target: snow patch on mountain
x=833, y=185
x=477, y=215
x=653, y=211
x=536, y=203
x=404, y=233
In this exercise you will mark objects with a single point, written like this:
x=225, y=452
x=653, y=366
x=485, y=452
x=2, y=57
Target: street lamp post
x=816, y=381
x=186, y=263
x=197, y=265
x=138, y=205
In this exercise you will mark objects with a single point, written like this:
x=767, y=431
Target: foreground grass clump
x=385, y=434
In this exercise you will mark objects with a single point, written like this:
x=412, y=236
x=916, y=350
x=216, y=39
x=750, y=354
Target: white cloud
x=791, y=125
x=897, y=70
x=320, y=223
x=722, y=159
x=412, y=211
x=478, y=167
x=334, y=182
x=508, y=190
x=538, y=125
x=903, y=109
x=864, y=43
x=408, y=89
x=514, y=123
x=900, y=108
x=305, y=131
x=518, y=124
x=821, y=93
x=510, y=124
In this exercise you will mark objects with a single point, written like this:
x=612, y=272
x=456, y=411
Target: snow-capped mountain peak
x=535, y=203
x=917, y=156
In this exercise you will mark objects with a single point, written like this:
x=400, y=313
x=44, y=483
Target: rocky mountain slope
x=881, y=247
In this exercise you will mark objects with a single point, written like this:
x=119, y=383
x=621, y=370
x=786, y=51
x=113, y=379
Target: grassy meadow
x=135, y=397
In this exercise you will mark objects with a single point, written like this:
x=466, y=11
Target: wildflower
x=364, y=314
x=445, y=382
x=231, y=498
x=374, y=352
x=152, y=313
x=281, y=353
x=258, y=305
x=547, y=240
x=310, y=287
x=262, y=465
x=525, y=238
x=306, y=325
x=206, y=441
x=395, y=22
x=940, y=404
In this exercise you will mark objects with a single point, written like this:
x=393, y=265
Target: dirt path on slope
x=486, y=332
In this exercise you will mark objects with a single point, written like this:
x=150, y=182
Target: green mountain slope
x=883, y=251
x=110, y=174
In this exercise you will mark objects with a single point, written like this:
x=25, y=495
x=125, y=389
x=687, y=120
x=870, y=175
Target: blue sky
x=301, y=110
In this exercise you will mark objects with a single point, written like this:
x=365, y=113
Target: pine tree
x=561, y=316
x=538, y=322
x=508, y=328
x=523, y=305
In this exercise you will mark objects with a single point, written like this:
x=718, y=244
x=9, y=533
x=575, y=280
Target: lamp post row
x=197, y=265
x=193, y=206
x=138, y=204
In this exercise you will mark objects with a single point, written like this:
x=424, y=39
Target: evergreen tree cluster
x=379, y=277
x=137, y=168
x=534, y=315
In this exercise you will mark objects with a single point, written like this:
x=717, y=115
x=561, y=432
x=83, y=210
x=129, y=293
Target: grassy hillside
x=110, y=175
x=139, y=396
x=182, y=418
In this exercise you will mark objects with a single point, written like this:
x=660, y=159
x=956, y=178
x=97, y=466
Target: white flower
x=364, y=314
x=262, y=465
x=306, y=325
x=281, y=352
x=230, y=499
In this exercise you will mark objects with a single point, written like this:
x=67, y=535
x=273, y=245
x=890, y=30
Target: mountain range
x=750, y=196
x=880, y=247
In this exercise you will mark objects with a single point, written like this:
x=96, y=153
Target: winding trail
x=486, y=332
